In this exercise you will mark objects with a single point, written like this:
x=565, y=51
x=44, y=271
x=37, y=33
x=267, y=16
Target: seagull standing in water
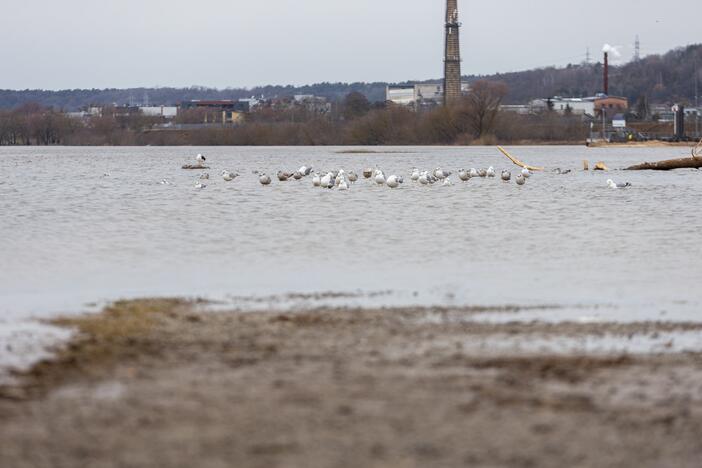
x=379, y=177
x=229, y=176
x=490, y=172
x=506, y=176
x=415, y=174
x=200, y=160
x=264, y=179
x=327, y=181
x=521, y=180
x=200, y=185
x=526, y=173
x=204, y=176
x=620, y=185
x=394, y=181
x=441, y=174
x=316, y=180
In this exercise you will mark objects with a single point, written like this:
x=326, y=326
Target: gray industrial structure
x=452, y=57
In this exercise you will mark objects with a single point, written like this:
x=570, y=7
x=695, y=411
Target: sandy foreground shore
x=163, y=383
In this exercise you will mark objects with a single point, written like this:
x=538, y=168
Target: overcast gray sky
x=231, y=43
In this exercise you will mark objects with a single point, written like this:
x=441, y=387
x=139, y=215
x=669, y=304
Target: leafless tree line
x=476, y=119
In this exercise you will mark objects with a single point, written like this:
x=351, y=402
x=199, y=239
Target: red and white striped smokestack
x=606, y=73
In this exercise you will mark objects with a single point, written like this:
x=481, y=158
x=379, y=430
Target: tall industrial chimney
x=606, y=73
x=452, y=57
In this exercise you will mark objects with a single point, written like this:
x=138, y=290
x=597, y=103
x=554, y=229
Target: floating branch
x=518, y=162
x=697, y=150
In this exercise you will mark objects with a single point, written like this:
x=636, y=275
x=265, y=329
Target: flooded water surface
x=86, y=225
x=82, y=225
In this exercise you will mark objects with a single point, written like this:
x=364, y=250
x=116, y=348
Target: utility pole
x=637, y=49
x=587, y=56
x=697, y=100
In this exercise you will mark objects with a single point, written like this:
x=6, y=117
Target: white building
x=577, y=106
x=417, y=94
x=167, y=112
x=403, y=95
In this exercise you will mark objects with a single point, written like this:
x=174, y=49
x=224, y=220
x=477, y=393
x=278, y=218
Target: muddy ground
x=160, y=383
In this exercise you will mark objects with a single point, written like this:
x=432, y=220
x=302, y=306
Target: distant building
x=220, y=111
x=664, y=112
x=588, y=107
x=610, y=105
x=167, y=112
x=521, y=109
x=576, y=106
x=418, y=95
x=312, y=103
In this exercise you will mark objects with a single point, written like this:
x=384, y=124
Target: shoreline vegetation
x=165, y=382
x=476, y=119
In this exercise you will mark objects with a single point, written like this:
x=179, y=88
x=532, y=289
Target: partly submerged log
x=517, y=161
x=194, y=167
x=669, y=165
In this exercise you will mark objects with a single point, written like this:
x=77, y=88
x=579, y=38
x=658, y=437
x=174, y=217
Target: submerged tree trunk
x=668, y=165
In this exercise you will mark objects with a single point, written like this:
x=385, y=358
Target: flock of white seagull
x=342, y=180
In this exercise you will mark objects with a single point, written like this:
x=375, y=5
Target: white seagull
x=520, y=179
x=394, y=181
x=328, y=180
x=229, y=176
x=620, y=185
x=264, y=179
x=526, y=173
x=490, y=172
x=379, y=177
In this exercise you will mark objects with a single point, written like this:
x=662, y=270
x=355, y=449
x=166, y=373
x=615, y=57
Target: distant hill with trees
x=659, y=78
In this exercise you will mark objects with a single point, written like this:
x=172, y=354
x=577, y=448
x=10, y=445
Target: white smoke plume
x=611, y=50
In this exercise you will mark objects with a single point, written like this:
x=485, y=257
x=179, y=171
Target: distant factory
x=419, y=95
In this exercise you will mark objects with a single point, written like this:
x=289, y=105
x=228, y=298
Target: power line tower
x=587, y=56
x=637, y=49
x=452, y=54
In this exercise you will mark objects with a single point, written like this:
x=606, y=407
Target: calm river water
x=86, y=225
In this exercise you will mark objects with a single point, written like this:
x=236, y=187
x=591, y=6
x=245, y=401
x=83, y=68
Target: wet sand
x=162, y=383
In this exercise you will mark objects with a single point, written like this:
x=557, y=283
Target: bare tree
x=481, y=107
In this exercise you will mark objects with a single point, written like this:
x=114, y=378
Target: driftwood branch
x=668, y=165
x=517, y=161
x=697, y=150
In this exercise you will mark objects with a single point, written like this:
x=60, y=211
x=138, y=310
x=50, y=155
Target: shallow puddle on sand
x=605, y=344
